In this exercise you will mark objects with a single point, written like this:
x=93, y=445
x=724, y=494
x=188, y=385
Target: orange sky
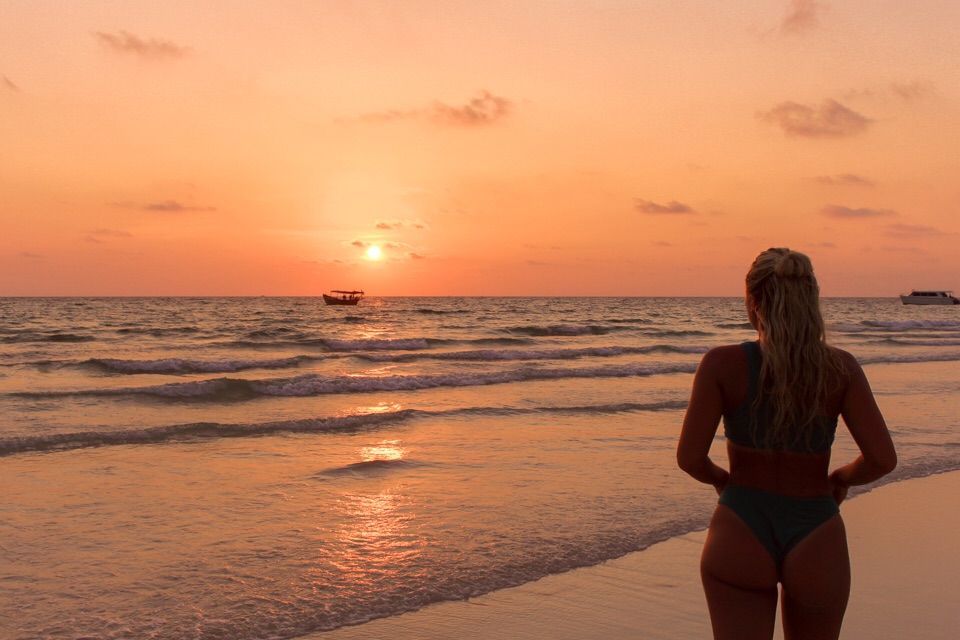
x=523, y=147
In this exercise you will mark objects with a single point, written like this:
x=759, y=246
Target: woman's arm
x=701, y=421
x=862, y=416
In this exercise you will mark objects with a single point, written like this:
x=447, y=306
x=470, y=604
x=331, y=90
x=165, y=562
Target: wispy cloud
x=828, y=120
x=329, y=261
x=111, y=233
x=30, y=256
x=915, y=231
x=912, y=90
x=8, y=83
x=838, y=211
x=416, y=256
x=802, y=16
x=97, y=236
x=366, y=244
x=128, y=43
x=906, y=91
x=484, y=108
x=173, y=206
x=389, y=225
x=671, y=208
x=845, y=180
x=914, y=251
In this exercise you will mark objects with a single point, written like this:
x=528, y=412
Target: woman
x=778, y=519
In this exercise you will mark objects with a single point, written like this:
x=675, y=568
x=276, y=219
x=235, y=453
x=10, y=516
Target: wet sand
x=903, y=549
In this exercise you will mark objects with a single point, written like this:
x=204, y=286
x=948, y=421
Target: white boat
x=929, y=297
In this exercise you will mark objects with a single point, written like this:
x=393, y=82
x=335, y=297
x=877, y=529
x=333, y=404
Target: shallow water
x=269, y=467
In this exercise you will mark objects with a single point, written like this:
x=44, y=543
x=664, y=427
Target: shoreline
x=903, y=552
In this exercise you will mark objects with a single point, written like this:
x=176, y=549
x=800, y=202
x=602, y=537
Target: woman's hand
x=722, y=478
x=838, y=487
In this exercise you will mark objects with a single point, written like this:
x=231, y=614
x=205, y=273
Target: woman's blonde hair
x=799, y=370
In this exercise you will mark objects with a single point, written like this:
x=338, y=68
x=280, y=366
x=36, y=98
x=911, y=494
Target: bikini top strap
x=754, y=360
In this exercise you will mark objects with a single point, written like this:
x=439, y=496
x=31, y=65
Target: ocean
x=244, y=468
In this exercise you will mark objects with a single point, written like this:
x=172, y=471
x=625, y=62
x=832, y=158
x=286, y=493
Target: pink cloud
x=483, y=109
x=671, y=208
x=829, y=120
x=128, y=43
x=838, y=211
x=802, y=16
x=845, y=179
x=172, y=206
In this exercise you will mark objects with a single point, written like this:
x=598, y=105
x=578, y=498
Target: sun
x=373, y=253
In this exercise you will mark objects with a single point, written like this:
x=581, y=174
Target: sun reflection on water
x=379, y=536
x=382, y=407
x=383, y=450
x=380, y=539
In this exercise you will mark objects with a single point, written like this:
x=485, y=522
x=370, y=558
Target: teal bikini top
x=738, y=424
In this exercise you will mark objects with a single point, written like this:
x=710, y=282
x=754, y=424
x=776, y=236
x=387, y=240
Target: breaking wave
x=238, y=389
x=319, y=425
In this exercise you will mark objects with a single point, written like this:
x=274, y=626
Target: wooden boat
x=343, y=297
x=929, y=297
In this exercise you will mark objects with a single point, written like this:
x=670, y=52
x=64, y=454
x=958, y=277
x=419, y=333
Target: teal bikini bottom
x=779, y=522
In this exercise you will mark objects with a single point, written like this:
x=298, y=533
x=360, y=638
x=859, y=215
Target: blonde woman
x=778, y=519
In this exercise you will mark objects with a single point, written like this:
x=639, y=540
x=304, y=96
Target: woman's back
x=779, y=471
x=790, y=471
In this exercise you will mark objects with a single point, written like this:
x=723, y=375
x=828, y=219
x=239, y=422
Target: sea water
x=271, y=467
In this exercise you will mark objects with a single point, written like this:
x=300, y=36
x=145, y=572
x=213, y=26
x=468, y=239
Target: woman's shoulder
x=724, y=356
x=847, y=359
x=728, y=369
x=850, y=371
x=729, y=350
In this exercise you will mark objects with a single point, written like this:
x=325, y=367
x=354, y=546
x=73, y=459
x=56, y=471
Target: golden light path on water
x=385, y=450
x=380, y=536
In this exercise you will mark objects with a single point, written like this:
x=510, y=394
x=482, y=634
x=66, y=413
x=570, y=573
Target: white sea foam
x=329, y=424
x=236, y=389
x=182, y=365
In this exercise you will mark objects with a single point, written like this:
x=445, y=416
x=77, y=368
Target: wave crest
x=318, y=425
x=239, y=389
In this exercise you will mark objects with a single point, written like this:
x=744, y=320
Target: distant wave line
x=910, y=359
x=371, y=344
x=308, y=385
x=920, y=341
x=334, y=424
x=183, y=366
x=179, y=366
x=894, y=326
x=565, y=330
x=314, y=384
x=493, y=355
x=29, y=337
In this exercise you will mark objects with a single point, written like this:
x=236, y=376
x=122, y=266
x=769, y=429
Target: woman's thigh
x=816, y=583
x=739, y=579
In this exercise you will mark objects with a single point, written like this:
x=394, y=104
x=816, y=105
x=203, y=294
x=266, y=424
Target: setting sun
x=373, y=253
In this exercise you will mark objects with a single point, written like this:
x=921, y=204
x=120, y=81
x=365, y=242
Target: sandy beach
x=903, y=550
